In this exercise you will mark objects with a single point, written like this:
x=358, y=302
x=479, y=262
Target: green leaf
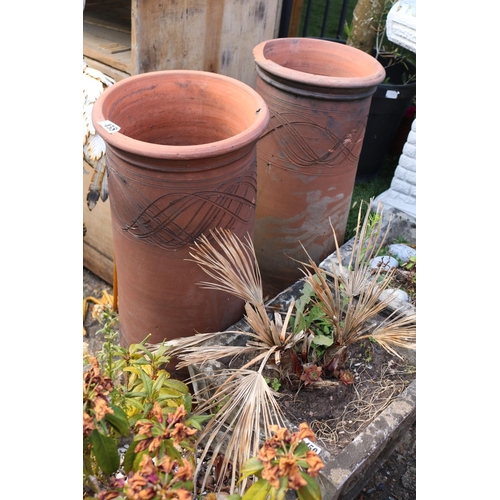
x=235, y=496
x=301, y=449
x=148, y=383
x=196, y=421
x=303, y=300
x=137, y=460
x=134, y=402
x=251, y=467
x=139, y=394
x=172, y=451
x=146, y=352
x=105, y=451
x=118, y=420
x=159, y=382
x=316, y=313
x=322, y=340
x=128, y=459
x=311, y=491
x=258, y=491
x=188, y=402
x=168, y=394
x=132, y=369
x=177, y=385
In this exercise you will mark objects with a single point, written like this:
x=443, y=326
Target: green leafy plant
x=274, y=383
x=127, y=394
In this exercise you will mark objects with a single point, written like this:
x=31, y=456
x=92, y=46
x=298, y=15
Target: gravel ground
x=396, y=478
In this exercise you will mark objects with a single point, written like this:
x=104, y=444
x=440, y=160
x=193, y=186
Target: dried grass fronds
x=397, y=331
x=368, y=241
x=352, y=295
x=234, y=267
x=244, y=408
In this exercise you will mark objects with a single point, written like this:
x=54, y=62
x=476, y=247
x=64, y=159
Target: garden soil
x=340, y=413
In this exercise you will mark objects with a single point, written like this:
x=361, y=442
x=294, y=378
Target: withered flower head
x=88, y=424
x=108, y=495
x=179, y=415
x=157, y=412
x=154, y=444
x=288, y=465
x=148, y=469
x=315, y=463
x=280, y=433
x=270, y=474
x=182, y=494
x=181, y=432
x=267, y=453
x=144, y=428
x=296, y=481
x=304, y=432
x=101, y=408
x=135, y=484
x=167, y=464
x=185, y=472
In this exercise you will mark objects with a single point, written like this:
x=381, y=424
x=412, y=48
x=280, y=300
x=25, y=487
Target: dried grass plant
x=354, y=294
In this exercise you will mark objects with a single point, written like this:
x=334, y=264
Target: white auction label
x=392, y=94
x=312, y=446
x=109, y=126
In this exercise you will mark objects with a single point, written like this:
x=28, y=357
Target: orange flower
x=270, y=474
x=183, y=494
x=167, y=464
x=288, y=465
x=296, y=481
x=157, y=412
x=305, y=432
x=144, y=428
x=315, y=463
x=181, y=432
x=185, y=472
x=88, y=424
x=266, y=453
x=146, y=466
x=101, y=408
x=179, y=414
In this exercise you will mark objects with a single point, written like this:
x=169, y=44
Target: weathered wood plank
x=96, y=47
x=107, y=70
x=98, y=241
x=205, y=35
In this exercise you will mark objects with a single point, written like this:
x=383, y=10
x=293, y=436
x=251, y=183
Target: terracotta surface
x=183, y=162
x=319, y=95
